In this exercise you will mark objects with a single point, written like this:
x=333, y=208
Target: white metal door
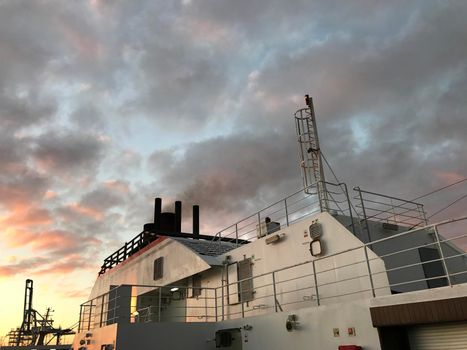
x=445, y=336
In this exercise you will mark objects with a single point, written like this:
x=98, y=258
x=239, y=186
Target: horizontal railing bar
x=275, y=203
x=89, y=307
x=455, y=256
x=293, y=279
x=391, y=205
x=385, y=196
x=405, y=250
x=343, y=280
x=343, y=295
x=412, y=265
x=453, y=238
x=380, y=212
x=418, y=281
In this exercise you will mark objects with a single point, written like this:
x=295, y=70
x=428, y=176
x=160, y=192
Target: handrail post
x=286, y=212
x=90, y=313
x=316, y=282
x=350, y=207
x=236, y=234
x=364, y=213
x=223, y=299
x=422, y=213
x=80, y=317
x=206, y=303
x=259, y=220
x=369, y=271
x=160, y=305
x=102, y=310
x=215, y=301
x=116, y=305
x=443, y=260
x=241, y=299
x=274, y=290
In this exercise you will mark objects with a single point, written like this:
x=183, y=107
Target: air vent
x=316, y=230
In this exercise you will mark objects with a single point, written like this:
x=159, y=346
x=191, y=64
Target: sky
x=106, y=104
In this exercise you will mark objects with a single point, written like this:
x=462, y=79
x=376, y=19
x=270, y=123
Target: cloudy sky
x=105, y=104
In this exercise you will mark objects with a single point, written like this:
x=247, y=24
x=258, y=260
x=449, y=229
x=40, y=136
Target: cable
x=439, y=211
x=338, y=181
x=329, y=166
x=419, y=197
x=440, y=189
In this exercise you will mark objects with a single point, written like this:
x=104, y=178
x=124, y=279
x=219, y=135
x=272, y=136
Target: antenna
x=310, y=154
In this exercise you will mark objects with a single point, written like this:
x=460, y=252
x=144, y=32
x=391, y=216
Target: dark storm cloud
x=389, y=81
x=101, y=199
x=223, y=173
x=68, y=152
x=393, y=92
x=389, y=93
x=11, y=155
x=23, y=189
x=88, y=117
x=19, y=112
x=177, y=73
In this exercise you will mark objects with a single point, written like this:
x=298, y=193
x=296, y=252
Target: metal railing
x=128, y=249
x=429, y=259
x=285, y=212
x=388, y=209
x=371, y=206
x=282, y=213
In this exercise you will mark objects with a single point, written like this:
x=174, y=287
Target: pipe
x=178, y=216
x=157, y=211
x=196, y=221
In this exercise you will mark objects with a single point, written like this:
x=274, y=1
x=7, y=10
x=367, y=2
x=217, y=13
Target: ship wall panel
x=179, y=262
x=295, y=286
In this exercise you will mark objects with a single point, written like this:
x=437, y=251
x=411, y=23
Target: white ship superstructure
x=324, y=268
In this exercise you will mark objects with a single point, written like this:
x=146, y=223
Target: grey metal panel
x=206, y=247
x=246, y=287
x=442, y=336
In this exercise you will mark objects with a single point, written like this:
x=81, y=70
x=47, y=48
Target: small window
x=158, y=268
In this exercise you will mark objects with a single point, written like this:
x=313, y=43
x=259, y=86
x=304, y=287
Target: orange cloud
x=7, y=271
x=78, y=294
x=50, y=194
x=48, y=266
x=87, y=211
x=24, y=217
x=448, y=177
x=49, y=240
x=22, y=266
x=117, y=186
x=71, y=264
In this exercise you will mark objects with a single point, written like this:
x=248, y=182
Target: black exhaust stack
x=170, y=225
x=157, y=212
x=178, y=217
x=196, y=222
